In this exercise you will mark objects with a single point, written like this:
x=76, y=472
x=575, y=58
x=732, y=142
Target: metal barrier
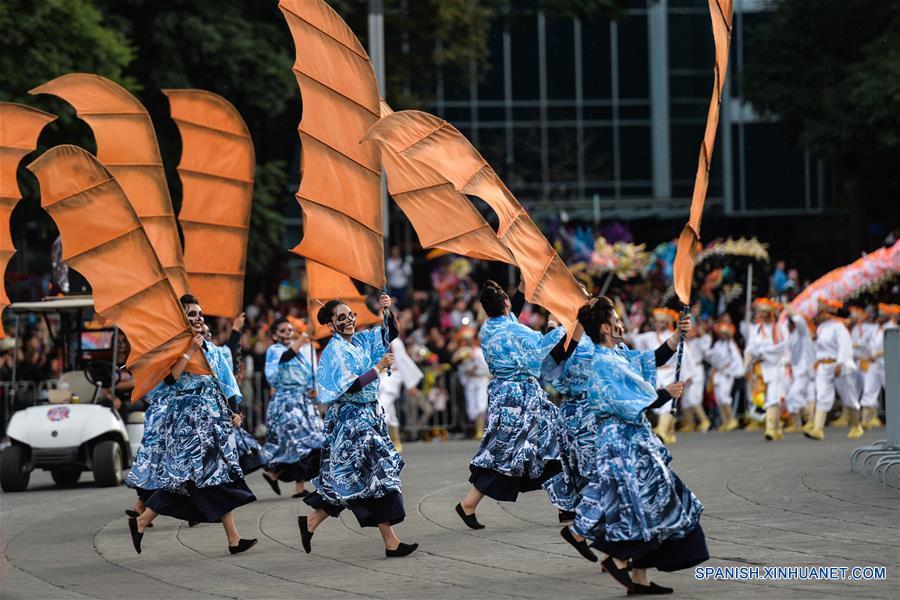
x=426, y=413
x=886, y=451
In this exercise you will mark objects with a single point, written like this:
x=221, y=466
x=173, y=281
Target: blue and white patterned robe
x=220, y=360
x=359, y=460
x=197, y=436
x=148, y=469
x=634, y=495
x=521, y=429
x=293, y=425
x=577, y=428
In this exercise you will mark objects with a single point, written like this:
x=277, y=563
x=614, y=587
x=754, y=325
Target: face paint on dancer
x=617, y=330
x=284, y=333
x=343, y=321
x=195, y=316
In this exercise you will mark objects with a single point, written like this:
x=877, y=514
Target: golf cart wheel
x=14, y=469
x=65, y=477
x=107, y=461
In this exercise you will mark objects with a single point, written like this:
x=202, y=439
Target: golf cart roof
x=61, y=304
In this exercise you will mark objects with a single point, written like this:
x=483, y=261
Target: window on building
x=560, y=43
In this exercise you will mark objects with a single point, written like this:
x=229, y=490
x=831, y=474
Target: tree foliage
x=830, y=69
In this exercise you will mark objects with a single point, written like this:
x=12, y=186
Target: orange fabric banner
x=324, y=284
x=340, y=179
x=20, y=127
x=103, y=239
x=126, y=145
x=216, y=170
x=689, y=241
x=442, y=217
x=426, y=139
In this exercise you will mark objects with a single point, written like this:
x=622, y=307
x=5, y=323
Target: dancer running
x=636, y=509
x=520, y=448
x=199, y=476
x=294, y=429
x=360, y=466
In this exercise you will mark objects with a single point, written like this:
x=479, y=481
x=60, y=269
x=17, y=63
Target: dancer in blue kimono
x=360, y=466
x=635, y=509
x=519, y=450
x=294, y=429
x=220, y=359
x=199, y=476
x=577, y=428
x=147, y=473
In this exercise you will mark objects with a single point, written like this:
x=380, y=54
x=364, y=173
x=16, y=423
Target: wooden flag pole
x=685, y=311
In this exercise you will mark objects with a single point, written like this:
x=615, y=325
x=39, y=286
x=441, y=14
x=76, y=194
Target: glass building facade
x=604, y=118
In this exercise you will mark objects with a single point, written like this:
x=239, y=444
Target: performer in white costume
x=888, y=316
x=801, y=395
x=475, y=376
x=726, y=364
x=765, y=354
x=664, y=320
x=834, y=371
x=698, y=344
x=404, y=374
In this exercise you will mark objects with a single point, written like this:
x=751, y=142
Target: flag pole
x=685, y=311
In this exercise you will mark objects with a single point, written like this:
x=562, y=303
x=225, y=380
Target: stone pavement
x=793, y=503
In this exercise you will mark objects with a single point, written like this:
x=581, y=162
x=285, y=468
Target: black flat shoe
x=566, y=516
x=302, y=494
x=305, y=534
x=242, y=546
x=620, y=575
x=469, y=520
x=136, y=536
x=273, y=483
x=402, y=550
x=193, y=523
x=134, y=514
x=652, y=589
x=581, y=546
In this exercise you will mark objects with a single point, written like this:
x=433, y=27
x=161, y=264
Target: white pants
x=827, y=384
x=476, y=397
x=874, y=381
x=388, y=403
x=802, y=390
x=722, y=385
x=664, y=376
x=693, y=393
x=774, y=392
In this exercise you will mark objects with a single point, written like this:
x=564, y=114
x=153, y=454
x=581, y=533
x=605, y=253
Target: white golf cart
x=61, y=425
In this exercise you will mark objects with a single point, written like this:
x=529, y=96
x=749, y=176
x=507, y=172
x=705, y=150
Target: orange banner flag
x=104, y=240
x=340, y=185
x=126, y=145
x=426, y=139
x=216, y=170
x=689, y=241
x=442, y=217
x=20, y=127
x=324, y=284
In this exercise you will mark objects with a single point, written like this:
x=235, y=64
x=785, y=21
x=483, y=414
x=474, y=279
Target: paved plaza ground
x=793, y=503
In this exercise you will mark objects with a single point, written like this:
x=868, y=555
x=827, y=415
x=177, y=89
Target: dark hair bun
x=326, y=313
x=493, y=298
x=596, y=312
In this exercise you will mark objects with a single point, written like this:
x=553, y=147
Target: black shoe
x=620, y=575
x=242, y=546
x=136, y=536
x=193, y=523
x=305, y=534
x=566, y=516
x=402, y=550
x=273, y=483
x=469, y=520
x=651, y=589
x=302, y=494
x=135, y=514
x=581, y=546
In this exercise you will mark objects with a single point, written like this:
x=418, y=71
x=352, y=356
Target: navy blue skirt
x=302, y=470
x=201, y=505
x=143, y=494
x=506, y=488
x=369, y=512
x=671, y=555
